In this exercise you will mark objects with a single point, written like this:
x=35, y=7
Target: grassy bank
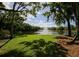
x=15, y=42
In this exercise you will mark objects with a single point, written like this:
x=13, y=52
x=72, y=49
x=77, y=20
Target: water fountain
x=44, y=31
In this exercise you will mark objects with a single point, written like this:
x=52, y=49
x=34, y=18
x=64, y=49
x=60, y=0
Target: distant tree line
x=12, y=22
x=62, y=30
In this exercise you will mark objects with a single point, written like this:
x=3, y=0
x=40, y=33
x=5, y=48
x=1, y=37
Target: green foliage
x=4, y=34
x=1, y=5
x=25, y=28
x=60, y=30
x=12, y=20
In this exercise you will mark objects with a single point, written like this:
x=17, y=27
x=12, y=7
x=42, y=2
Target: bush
x=4, y=34
x=61, y=30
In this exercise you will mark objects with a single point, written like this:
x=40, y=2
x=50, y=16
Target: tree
x=19, y=8
x=2, y=15
x=62, y=14
x=76, y=12
x=60, y=30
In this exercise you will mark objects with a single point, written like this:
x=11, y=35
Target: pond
x=46, y=31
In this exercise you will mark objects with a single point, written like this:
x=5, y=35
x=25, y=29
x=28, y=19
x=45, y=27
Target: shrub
x=61, y=30
x=4, y=34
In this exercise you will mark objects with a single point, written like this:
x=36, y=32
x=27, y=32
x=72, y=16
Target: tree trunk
x=77, y=19
x=12, y=22
x=76, y=12
x=12, y=26
x=77, y=30
x=69, y=27
x=76, y=38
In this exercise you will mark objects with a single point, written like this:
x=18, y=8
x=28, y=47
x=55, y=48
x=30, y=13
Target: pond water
x=46, y=31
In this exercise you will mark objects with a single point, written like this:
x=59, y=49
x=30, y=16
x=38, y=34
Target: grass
x=14, y=43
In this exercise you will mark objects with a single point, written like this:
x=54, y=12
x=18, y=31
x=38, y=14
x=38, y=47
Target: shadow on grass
x=13, y=53
x=40, y=48
x=46, y=49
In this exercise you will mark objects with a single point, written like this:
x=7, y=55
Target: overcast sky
x=39, y=20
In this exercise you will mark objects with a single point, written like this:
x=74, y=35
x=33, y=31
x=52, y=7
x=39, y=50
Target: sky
x=40, y=20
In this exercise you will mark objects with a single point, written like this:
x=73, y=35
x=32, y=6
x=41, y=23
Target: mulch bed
x=73, y=50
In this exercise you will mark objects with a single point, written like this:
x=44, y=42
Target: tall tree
x=1, y=15
x=62, y=14
x=76, y=12
x=21, y=9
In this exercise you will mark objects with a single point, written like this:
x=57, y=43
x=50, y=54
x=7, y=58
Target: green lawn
x=14, y=43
